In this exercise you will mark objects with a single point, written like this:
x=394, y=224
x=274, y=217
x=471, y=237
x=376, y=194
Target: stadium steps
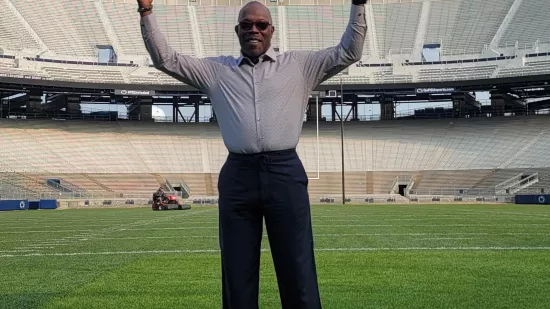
x=448, y=182
x=98, y=183
x=196, y=183
x=535, y=139
x=69, y=185
x=370, y=184
x=328, y=184
x=33, y=184
x=132, y=183
x=13, y=181
x=417, y=179
x=485, y=178
x=356, y=183
x=161, y=180
x=80, y=182
x=209, y=186
x=109, y=31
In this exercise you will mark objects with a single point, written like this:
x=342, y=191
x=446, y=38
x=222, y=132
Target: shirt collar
x=270, y=55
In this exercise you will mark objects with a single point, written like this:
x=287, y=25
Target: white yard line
x=432, y=225
x=445, y=238
x=203, y=251
x=174, y=228
x=537, y=215
x=59, y=226
x=43, y=231
x=92, y=234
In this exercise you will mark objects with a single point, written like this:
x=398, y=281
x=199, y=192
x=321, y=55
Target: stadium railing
x=87, y=195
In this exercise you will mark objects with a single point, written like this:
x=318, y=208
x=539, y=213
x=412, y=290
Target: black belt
x=267, y=156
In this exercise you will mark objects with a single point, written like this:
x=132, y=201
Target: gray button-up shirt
x=259, y=107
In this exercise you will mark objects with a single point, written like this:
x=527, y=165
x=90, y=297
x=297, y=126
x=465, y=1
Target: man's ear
x=237, y=29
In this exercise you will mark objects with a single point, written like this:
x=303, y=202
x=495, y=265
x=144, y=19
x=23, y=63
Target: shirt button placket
x=257, y=107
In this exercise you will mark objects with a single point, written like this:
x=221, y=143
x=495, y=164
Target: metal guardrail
x=455, y=192
x=10, y=195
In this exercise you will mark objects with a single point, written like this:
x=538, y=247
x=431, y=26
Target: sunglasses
x=246, y=26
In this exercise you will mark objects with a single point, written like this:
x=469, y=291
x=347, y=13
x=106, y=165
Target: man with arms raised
x=260, y=100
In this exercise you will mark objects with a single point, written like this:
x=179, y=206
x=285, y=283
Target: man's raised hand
x=144, y=3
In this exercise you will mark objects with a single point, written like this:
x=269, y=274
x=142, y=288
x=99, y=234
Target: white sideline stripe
x=342, y=215
x=504, y=213
x=397, y=234
x=17, y=240
x=445, y=238
x=318, y=222
x=267, y=250
x=173, y=228
x=46, y=231
x=58, y=226
x=393, y=219
x=437, y=248
x=353, y=225
x=66, y=242
x=432, y=225
x=155, y=237
x=316, y=225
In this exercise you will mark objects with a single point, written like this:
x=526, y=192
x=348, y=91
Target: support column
x=2, y=113
x=498, y=104
x=214, y=117
x=197, y=109
x=175, y=109
x=387, y=107
x=333, y=109
x=146, y=109
x=142, y=109
x=313, y=111
x=195, y=100
x=34, y=103
x=73, y=104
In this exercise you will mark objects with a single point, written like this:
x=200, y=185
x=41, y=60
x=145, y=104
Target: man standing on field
x=260, y=100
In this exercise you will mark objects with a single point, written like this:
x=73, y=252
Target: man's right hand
x=145, y=4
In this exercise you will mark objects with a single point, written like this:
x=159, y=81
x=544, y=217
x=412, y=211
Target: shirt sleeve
x=318, y=66
x=197, y=72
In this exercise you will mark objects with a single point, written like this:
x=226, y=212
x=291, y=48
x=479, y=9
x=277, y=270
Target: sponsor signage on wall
x=135, y=92
x=434, y=90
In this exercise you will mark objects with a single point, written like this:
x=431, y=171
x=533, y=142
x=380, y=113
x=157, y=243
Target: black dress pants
x=270, y=185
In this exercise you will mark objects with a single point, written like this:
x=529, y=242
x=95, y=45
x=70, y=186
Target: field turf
x=368, y=256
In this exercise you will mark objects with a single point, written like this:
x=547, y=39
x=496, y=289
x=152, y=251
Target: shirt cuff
x=357, y=15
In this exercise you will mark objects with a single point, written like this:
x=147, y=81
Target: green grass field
x=368, y=256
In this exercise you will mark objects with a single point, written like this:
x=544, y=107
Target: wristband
x=358, y=2
x=141, y=10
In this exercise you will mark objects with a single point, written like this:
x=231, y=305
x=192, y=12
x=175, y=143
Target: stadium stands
x=124, y=27
x=13, y=34
x=480, y=39
x=396, y=26
x=66, y=27
x=528, y=24
x=121, y=157
x=465, y=29
x=465, y=26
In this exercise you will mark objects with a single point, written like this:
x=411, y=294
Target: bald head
x=254, y=30
x=256, y=8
